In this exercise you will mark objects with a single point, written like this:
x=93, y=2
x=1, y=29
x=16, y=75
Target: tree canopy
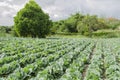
x=31, y=21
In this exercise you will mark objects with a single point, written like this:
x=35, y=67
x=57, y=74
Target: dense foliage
x=31, y=21
x=79, y=23
x=113, y=23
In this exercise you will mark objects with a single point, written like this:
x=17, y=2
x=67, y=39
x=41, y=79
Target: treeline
x=83, y=24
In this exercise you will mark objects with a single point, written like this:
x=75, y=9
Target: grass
x=66, y=36
x=108, y=33
x=5, y=35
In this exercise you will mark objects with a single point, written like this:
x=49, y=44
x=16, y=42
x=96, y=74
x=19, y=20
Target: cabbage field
x=59, y=59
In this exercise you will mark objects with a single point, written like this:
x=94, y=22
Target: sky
x=60, y=9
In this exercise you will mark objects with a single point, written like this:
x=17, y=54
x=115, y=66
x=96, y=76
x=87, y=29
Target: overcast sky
x=60, y=9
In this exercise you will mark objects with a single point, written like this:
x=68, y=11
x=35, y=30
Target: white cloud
x=10, y=0
x=12, y=6
x=8, y=11
x=60, y=9
x=56, y=16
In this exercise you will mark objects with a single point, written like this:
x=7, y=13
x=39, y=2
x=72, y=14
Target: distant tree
x=90, y=24
x=31, y=21
x=2, y=29
x=112, y=23
x=6, y=29
x=72, y=22
x=83, y=24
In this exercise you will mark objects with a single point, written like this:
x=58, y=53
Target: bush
x=106, y=34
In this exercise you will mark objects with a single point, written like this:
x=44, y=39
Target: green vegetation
x=79, y=23
x=59, y=59
x=113, y=23
x=87, y=25
x=106, y=34
x=67, y=52
x=5, y=31
x=31, y=21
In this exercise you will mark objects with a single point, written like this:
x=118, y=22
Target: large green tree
x=31, y=21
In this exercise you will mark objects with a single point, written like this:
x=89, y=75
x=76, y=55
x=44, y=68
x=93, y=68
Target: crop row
x=59, y=59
